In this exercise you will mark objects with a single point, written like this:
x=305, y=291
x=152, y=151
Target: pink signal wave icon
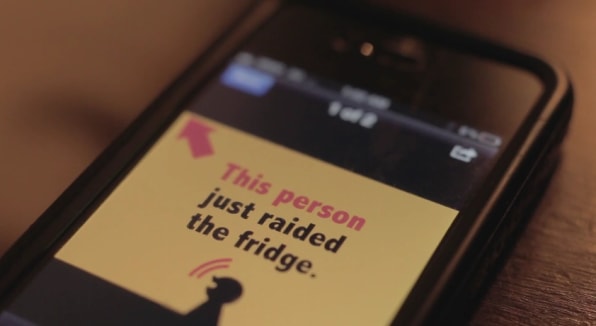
x=212, y=265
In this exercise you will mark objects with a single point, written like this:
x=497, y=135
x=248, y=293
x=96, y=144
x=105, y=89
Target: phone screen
x=279, y=196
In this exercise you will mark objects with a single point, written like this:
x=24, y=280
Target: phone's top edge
x=546, y=68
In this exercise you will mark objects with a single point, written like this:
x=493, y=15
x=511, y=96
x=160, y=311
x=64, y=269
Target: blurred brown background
x=74, y=73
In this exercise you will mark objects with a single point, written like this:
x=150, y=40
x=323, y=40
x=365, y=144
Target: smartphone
x=324, y=163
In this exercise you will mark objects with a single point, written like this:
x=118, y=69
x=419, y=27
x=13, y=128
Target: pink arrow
x=197, y=135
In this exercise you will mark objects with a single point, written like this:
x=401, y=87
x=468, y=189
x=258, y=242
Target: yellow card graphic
x=213, y=218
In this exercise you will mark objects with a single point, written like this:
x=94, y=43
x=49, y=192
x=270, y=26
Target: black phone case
x=466, y=259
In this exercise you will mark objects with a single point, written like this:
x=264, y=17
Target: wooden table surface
x=74, y=73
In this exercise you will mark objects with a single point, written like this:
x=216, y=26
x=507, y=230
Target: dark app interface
x=277, y=197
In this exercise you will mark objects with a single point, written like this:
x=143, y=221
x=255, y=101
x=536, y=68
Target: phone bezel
x=458, y=250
